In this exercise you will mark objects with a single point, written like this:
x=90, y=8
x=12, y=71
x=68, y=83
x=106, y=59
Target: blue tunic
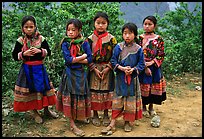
x=127, y=56
x=76, y=72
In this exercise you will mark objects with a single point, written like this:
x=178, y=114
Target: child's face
x=101, y=24
x=128, y=35
x=72, y=31
x=148, y=26
x=29, y=28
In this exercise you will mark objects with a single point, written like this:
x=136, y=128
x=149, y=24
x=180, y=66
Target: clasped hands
x=101, y=74
x=32, y=51
x=127, y=69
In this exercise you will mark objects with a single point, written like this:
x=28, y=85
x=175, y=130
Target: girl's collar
x=129, y=44
x=149, y=33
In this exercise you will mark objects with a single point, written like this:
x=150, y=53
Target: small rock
x=6, y=112
x=137, y=124
x=155, y=122
x=109, y=133
x=198, y=88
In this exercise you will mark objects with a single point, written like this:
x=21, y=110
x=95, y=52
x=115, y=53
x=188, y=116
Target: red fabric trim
x=43, y=52
x=127, y=79
x=73, y=50
x=33, y=62
x=157, y=62
x=101, y=106
x=35, y=104
x=127, y=116
x=68, y=111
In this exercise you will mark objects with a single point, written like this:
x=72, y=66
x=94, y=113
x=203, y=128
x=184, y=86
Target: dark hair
x=101, y=14
x=26, y=18
x=151, y=18
x=133, y=28
x=77, y=23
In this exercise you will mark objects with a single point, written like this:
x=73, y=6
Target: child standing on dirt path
x=101, y=76
x=73, y=97
x=128, y=62
x=152, y=81
x=33, y=89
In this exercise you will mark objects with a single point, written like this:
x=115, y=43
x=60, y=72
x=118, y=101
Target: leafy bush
x=182, y=32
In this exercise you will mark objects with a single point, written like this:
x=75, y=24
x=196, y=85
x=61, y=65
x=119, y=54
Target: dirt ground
x=180, y=114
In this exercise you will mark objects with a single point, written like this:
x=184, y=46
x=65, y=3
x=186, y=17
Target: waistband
x=33, y=62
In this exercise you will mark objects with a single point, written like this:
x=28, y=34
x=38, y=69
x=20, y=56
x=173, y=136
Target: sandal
x=152, y=113
x=36, y=116
x=127, y=127
x=107, y=129
x=106, y=121
x=51, y=114
x=38, y=119
x=78, y=132
x=146, y=114
x=96, y=121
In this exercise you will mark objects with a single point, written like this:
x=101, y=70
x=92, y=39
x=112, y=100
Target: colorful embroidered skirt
x=73, y=96
x=153, y=88
x=33, y=90
x=128, y=106
x=101, y=90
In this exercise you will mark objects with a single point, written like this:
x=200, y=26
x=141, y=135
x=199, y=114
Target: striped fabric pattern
x=26, y=98
x=74, y=101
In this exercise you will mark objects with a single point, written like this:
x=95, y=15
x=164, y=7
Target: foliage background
x=181, y=30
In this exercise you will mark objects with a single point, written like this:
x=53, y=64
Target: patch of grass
x=173, y=91
x=191, y=86
x=60, y=132
x=43, y=129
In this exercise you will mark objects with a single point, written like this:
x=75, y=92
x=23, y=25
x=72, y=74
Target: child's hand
x=148, y=72
x=124, y=68
x=149, y=63
x=28, y=52
x=35, y=50
x=104, y=72
x=84, y=56
x=98, y=73
x=129, y=72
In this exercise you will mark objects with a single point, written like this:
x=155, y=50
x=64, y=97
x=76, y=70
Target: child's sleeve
x=45, y=49
x=160, y=53
x=88, y=52
x=66, y=53
x=17, y=52
x=115, y=57
x=141, y=63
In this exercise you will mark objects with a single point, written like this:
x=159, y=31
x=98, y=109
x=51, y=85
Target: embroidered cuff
x=157, y=63
x=91, y=66
x=109, y=65
x=116, y=66
x=44, y=52
x=20, y=56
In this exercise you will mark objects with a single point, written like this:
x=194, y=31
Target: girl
x=101, y=76
x=128, y=62
x=152, y=82
x=33, y=90
x=73, y=97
